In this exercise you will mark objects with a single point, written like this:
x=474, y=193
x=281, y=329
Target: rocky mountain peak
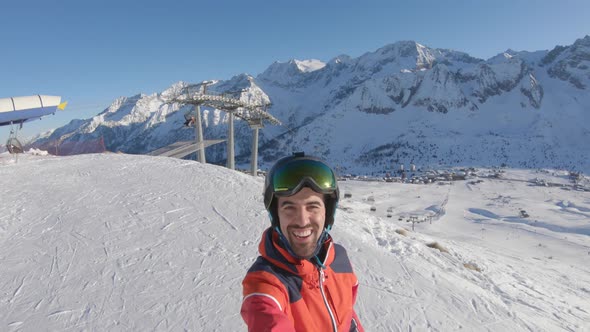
x=408, y=53
x=289, y=73
x=571, y=63
x=342, y=59
x=582, y=42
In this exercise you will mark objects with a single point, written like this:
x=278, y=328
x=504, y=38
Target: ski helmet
x=291, y=174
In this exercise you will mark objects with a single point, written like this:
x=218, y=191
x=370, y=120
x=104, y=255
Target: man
x=302, y=280
x=190, y=121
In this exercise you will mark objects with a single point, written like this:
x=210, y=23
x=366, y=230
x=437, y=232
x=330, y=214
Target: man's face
x=301, y=219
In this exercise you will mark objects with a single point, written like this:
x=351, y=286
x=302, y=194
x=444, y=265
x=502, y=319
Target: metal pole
x=230, y=143
x=199, y=136
x=254, y=157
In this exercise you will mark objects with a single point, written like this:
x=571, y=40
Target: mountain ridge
x=402, y=103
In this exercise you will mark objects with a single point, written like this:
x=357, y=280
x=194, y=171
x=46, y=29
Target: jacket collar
x=272, y=249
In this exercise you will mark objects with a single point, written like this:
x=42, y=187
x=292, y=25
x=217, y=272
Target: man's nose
x=302, y=217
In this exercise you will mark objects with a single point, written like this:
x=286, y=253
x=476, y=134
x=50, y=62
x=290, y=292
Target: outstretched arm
x=262, y=312
x=355, y=324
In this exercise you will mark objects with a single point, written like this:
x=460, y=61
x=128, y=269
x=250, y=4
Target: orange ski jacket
x=282, y=293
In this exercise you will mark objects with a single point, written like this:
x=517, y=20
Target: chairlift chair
x=13, y=145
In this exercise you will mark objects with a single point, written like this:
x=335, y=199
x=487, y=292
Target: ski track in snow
x=225, y=219
x=116, y=242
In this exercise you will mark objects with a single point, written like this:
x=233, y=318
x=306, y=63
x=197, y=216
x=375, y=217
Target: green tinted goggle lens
x=289, y=176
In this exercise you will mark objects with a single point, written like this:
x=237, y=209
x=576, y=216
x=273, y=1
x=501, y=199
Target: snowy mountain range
x=403, y=103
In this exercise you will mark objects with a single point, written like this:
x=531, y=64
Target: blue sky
x=93, y=52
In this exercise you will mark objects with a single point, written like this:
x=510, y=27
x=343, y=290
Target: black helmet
x=291, y=174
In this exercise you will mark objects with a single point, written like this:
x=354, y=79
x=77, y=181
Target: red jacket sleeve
x=262, y=312
x=355, y=319
x=356, y=323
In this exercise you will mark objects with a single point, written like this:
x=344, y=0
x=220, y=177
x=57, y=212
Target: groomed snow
x=114, y=242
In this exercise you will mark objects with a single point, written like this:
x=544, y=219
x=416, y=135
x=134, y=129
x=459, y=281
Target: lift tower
x=254, y=114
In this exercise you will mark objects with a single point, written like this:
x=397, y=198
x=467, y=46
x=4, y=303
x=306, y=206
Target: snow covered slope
x=115, y=242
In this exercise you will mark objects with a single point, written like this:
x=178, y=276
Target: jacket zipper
x=334, y=327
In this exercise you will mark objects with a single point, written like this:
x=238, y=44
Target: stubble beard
x=304, y=250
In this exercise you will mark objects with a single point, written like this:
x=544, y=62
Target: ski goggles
x=289, y=178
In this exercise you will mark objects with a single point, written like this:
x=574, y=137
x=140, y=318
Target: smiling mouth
x=302, y=234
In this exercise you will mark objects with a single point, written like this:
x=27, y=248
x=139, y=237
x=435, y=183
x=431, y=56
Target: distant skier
x=302, y=280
